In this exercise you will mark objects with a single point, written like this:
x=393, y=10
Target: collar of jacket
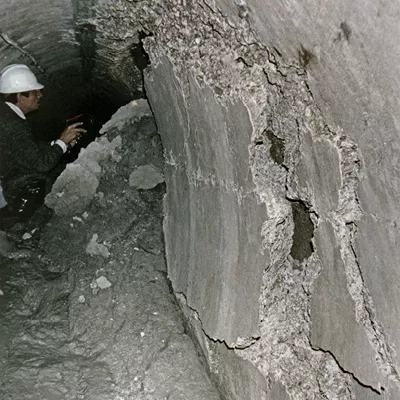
x=16, y=109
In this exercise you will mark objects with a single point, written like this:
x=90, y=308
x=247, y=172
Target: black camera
x=88, y=123
x=86, y=119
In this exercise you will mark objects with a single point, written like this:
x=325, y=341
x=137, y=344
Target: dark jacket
x=22, y=158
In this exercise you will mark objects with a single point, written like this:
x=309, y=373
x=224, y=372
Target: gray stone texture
x=145, y=177
x=67, y=196
x=93, y=328
x=318, y=172
x=378, y=254
x=334, y=327
x=215, y=213
x=229, y=80
x=363, y=393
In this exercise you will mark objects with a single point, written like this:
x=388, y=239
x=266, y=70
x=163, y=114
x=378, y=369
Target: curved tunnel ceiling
x=59, y=40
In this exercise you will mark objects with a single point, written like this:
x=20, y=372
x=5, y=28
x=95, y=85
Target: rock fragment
x=97, y=249
x=133, y=111
x=81, y=299
x=146, y=177
x=5, y=246
x=80, y=180
x=103, y=282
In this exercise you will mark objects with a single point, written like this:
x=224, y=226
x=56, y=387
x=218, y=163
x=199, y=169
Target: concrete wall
x=281, y=133
x=213, y=219
x=313, y=140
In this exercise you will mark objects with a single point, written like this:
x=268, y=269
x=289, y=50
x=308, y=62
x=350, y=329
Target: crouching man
x=28, y=168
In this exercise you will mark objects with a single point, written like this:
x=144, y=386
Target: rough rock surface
x=97, y=249
x=79, y=326
x=218, y=66
x=145, y=177
x=77, y=185
x=133, y=111
x=308, y=307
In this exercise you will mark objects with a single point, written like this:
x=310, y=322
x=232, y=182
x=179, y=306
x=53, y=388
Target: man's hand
x=72, y=133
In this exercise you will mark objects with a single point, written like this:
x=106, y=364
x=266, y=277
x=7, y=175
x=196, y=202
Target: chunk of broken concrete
x=103, y=282
x=81, y=299
x=79, y=181
x=97, y=249
x=146, y=177
x=26, y=236
x=133, y=111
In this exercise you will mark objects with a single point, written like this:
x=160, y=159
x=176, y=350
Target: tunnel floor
x=99, y=321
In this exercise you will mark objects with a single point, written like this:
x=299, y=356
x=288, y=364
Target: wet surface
x=99, y=325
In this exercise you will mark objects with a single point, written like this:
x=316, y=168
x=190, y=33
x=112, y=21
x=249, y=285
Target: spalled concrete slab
x=221, y=248
x=334, y=325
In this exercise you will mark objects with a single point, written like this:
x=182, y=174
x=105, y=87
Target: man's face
x=30, y=103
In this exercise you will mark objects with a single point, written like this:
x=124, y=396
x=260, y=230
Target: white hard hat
x=18, y=78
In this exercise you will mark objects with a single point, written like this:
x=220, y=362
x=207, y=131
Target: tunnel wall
x=281, y=134
x=271, y=121
x=213, y=219
x=60, y=42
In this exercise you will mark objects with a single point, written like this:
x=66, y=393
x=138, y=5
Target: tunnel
x=244, y=177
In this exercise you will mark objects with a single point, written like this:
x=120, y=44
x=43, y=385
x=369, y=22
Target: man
x=28, y=168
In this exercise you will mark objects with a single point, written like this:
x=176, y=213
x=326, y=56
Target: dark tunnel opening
x=62, y=102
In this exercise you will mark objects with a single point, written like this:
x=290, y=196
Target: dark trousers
x=25, y=197
x=22, y=203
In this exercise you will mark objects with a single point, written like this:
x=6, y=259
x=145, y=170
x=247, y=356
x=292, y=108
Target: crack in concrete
x=344, y=370
x=243, y=342
x=343, y=221
x=278, y=99
x=379, y=340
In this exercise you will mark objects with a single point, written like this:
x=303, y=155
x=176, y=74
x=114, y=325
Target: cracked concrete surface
x=262, y=107
x=216, y=197
x=321, y=168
